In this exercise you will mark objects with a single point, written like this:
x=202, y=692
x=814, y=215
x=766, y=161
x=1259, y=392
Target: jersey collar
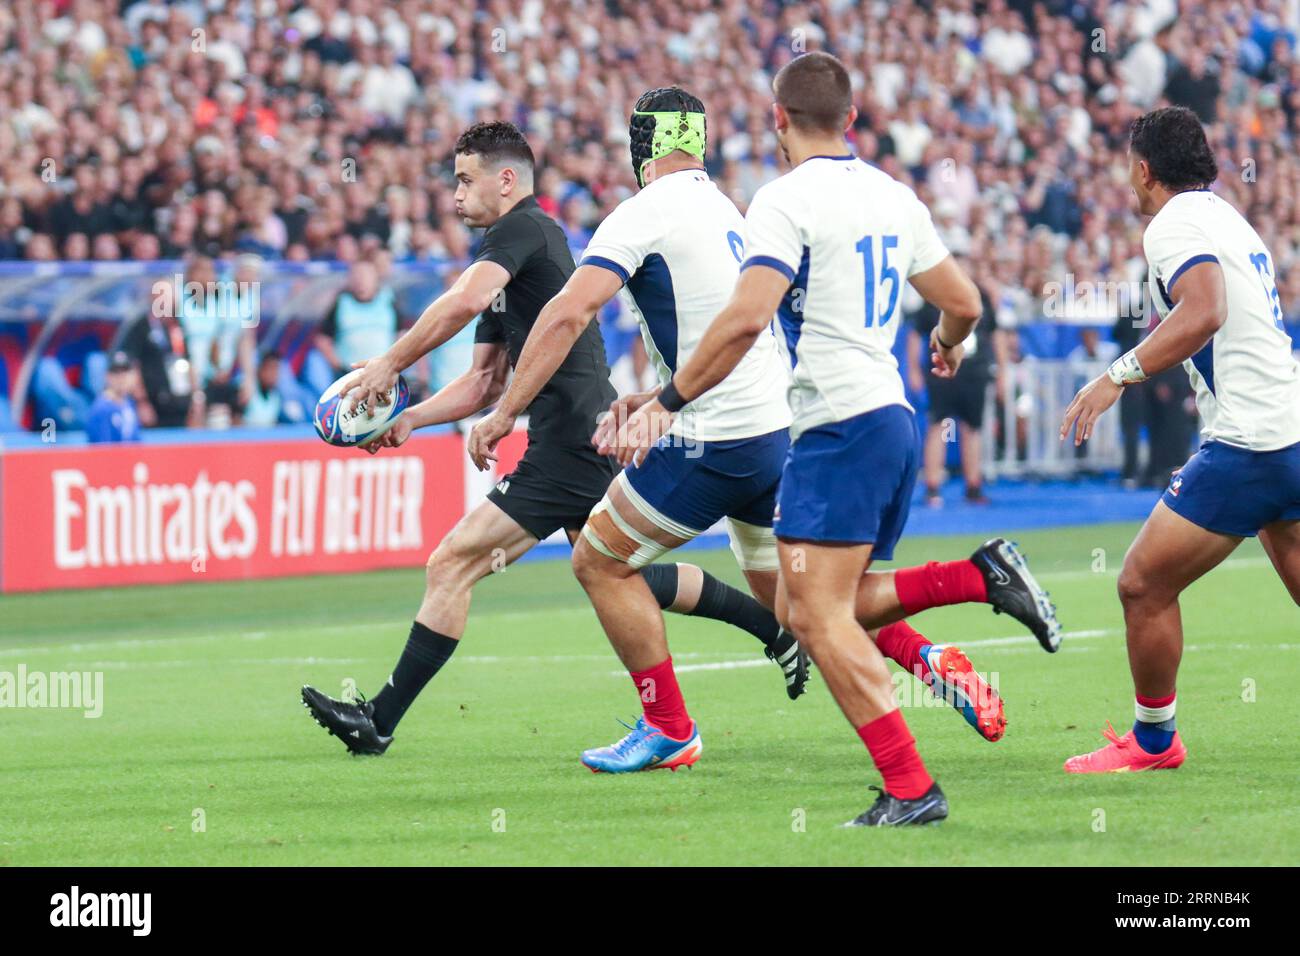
x=526, y=203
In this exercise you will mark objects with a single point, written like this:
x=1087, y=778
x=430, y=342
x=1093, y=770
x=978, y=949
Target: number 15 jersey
x=847, y=236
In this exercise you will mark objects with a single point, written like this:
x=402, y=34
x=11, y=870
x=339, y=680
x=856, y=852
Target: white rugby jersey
x=848, y=236
x=1247, y=381
x=677, y=246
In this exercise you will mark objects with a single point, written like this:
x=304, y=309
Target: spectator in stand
x=1171, y=423
x=41, y=248
x=76, y=247
x=113, y=417
x=214, y=231
x=156, y=343
x=81, y=211
x=362, y=324
x=13, y=232
x=1196, y=86
x=1127, y=334
x=1090, y=358
x=266, y=405
x=105, y=248
x=219, y=323
x=306, y=129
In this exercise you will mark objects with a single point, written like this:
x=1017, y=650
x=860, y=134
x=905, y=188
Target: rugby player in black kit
x=522, y=262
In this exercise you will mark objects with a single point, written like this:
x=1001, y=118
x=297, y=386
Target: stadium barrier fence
x=1024, y=438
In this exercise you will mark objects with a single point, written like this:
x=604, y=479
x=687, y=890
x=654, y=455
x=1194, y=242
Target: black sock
x=662, y=579
x=722, y=602
x=425, y=653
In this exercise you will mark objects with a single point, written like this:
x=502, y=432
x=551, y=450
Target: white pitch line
x=715, y=666
x=737, y=662
x=349, y=661
x=1081, y=574
x=129, y=643
x=1232, y=564
x=985, y=642
x=1030, y=639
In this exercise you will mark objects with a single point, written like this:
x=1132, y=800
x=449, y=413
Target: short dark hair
x=496, y=142
x=815, y=90
x=1172, y=141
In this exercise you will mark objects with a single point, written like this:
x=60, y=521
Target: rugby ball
x=340, y=424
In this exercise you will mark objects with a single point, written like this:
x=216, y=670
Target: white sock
x=1155, y=715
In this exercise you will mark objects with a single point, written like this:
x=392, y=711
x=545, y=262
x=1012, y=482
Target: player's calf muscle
x=854, y=671
x=876, y=603
x=762, y=584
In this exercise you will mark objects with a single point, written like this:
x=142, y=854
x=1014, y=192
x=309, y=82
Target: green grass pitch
x=205, y=756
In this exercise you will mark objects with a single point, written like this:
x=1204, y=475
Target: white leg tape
x=633, y=548
x=753, y=545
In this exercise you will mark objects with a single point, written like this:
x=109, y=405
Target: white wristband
x=1126, y=370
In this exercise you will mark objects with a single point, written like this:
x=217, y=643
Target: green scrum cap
x=665, y=120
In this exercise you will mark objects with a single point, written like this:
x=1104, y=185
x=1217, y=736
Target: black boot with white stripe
x=793, y=661
x=352, y=723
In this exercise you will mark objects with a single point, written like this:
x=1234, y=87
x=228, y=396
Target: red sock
x=902, y=644
x=661, y=699
x=936, y=584
x=1155, y=702
x=893, y=750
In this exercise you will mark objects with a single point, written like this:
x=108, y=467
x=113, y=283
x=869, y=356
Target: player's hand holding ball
x=397, y=433
x=343, y=423
x=372, y=387
x=484, y=437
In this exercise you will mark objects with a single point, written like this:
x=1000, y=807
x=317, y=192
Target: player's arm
x=469, y=295
x=472, y=391
x=557, y=328
x=947, y=287
x=1200, y=300
x=730, y=335
x=733, y=332
x=1200, y=308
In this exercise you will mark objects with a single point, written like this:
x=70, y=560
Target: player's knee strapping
x=753, y=545
x=662, y=580
x=610, y=534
